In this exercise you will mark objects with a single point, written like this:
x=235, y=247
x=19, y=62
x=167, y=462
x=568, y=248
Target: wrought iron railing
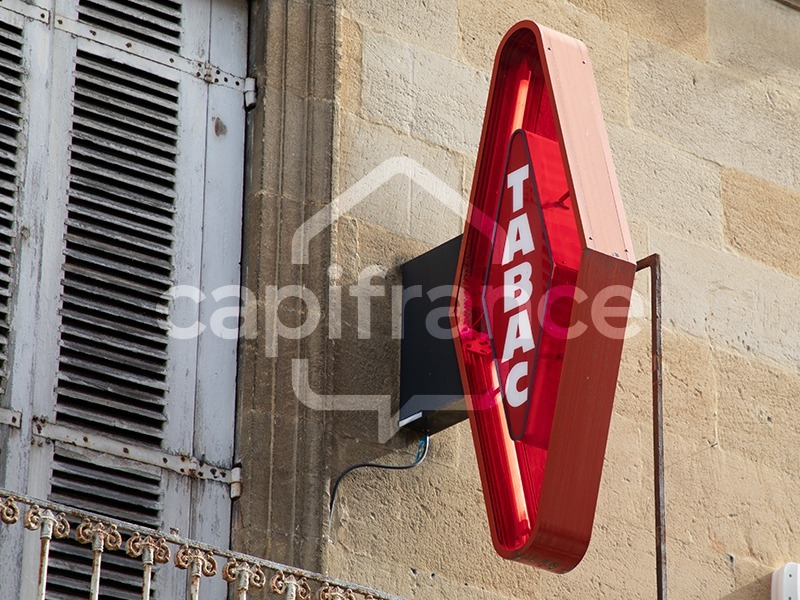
x=153, y=547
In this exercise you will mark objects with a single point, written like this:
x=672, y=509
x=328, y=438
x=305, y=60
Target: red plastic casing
x=541, y=461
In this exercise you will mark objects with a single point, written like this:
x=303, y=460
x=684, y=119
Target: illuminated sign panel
x=543, y=286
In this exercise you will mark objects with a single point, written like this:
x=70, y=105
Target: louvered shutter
x=136, y=203
x=11, y=122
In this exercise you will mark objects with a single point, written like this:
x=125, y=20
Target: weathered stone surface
x=402, y=87
x=626, y=499
x=349, y=67
x=679, y=24
x=757, y=36
x=734, y=302
x=431, y=24
x=667, y=187
x=762, y=220
x=722, y=503
x=440, y=540
x=483, y=25
x=757, y=410
x=715, y=113
x=752, y=579
x=401, y=204
x=280, y=441
x=702, y=573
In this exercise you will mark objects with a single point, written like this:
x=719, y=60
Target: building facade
x=136, y=158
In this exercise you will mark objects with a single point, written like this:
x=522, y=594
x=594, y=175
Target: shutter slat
x=124, y=360
x=142, y=410
x=142, y=90
x=124, y=18
x=153, y=147
x=141, y=186
x=115, y=103
x=119, y=314
x=157, y=206
x=76, y=496
x=132, y=82
x=121, y=268
x=156, y=134
x=124, y=164
x=8, y=169
x=121, y=222
x=147, y=301
x=113, y=388
x=168, y=8
x=142, y=250
x=108, y=373
x=125, y=13
x=125, y=343
x=142, y=157
x=129, y=486
x=112, y=327
x=69, y=413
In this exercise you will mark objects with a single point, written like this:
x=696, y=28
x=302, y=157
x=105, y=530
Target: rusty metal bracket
x=653, y=262
x=211, y=74
x=188, y=466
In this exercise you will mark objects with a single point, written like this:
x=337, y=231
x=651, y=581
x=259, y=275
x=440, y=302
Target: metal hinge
x=186, y=465
x=250, y=93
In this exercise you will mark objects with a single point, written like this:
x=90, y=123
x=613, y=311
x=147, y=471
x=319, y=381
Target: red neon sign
x=544, y=282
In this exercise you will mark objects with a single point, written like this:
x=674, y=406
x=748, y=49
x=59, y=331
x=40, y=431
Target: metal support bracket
x=206, y=71
x=189, y=466
x=653, y=262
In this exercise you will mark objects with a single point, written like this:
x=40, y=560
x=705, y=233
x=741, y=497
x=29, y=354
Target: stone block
x=722, y=503
x=715, y=114
x=387, y=85
x=435, y=98
x=757, y=410
x=431, y=24
x=626, y=497
x=757, y=36
x=733, y=301
x=679, y=24
x=350, y=69
x=762, y=220
x=483, y=25
x=400, y=203
x=634, y=391
x=690, y=392
x=666, y=187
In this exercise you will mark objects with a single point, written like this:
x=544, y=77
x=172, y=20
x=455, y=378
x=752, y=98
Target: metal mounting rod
x=653, y=262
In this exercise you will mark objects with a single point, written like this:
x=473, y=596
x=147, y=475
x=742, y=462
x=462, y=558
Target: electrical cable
x=422, y=452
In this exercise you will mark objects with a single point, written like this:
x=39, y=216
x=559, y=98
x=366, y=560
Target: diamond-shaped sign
x=542, y=291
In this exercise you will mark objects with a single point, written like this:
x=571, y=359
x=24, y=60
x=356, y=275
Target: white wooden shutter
x=142, y=191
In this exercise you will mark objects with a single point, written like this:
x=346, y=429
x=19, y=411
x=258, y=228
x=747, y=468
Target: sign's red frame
x=541, y=486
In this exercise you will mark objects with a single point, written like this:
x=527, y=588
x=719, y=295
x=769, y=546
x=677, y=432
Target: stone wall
x=702, y=104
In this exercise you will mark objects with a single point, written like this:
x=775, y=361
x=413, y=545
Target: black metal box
x=431, y=395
